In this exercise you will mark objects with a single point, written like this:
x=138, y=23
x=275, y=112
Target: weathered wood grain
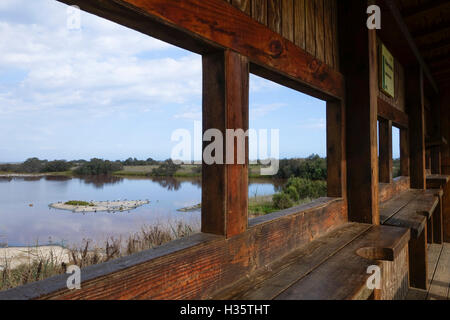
x=287, y=19
x=418, y=261
x=394, y=205
x=243, y=5
x=361, y=71
x=387, y=111
x=269, y=282
x=336, y=154
x=320, y=30
x=259, y=11
x=274, y=15
x=310, y=27
x=328, y=29
x=225, y=106
x=440, y=284
x=389, y=190
x=300, y=23
x=330, y=281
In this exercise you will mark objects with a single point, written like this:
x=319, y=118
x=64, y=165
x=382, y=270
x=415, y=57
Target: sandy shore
x=15, y=256
x=25, y=175
x=102, y=206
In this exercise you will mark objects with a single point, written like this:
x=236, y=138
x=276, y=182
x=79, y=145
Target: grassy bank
x=42, y=267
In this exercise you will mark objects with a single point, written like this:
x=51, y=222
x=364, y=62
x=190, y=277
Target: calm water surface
x=26, y=219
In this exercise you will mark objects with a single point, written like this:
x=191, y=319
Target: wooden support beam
x=385, y=144
x=418, y=261
x=225, y=106
x=404, y=152
x=205, y=26
x=388, y=112
x=415, y=106
x=360, y=66
x=336, y=161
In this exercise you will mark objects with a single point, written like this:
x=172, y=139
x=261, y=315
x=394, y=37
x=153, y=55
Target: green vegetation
x=34, y=165
x=85, y=255
x=79, y=203
x=166, y=169
x=297, y=191
x=260, y=205
x=98, y=167
x=314, y=168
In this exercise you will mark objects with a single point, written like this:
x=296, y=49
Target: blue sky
x=110, y=92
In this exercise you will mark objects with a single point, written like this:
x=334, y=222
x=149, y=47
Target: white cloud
x=257, y=111
x=100, y=69
x=314, y=123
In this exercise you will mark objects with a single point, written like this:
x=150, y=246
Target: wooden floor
x=438, y=275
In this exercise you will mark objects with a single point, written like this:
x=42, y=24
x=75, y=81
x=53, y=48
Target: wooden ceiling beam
x=404, y=29
x=427, y=8
x=435, y=46
x=432, y=30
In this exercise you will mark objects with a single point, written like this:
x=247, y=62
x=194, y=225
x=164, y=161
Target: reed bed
x=42, y=267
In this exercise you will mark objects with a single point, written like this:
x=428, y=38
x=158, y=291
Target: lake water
x=26, y=219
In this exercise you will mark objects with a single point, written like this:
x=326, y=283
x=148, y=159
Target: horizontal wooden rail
x=197, y=266
x=202, y=26
x=389, y=190
x=388, y=112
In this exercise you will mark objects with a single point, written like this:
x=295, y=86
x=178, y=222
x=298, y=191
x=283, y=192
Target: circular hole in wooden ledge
x=372, y=253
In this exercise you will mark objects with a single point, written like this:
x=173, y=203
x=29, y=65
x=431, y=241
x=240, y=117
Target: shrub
x=167, y=169
x=292, y=192
x=307, y=188
x=282, y=201
x=79, y=203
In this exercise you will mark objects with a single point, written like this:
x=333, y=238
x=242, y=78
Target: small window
x=298, y=122
x=396, y=152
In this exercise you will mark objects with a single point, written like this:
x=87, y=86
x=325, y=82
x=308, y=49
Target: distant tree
x=150, y=161
x=167, y=169
x=98, y=167
x=57, y=166
x=135, y=162
x=313, y=168
x=32, y=165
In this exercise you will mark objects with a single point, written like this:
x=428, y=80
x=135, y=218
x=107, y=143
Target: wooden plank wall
x=310, y=24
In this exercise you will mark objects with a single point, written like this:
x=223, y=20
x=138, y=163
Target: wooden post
x=416, y=110
x=385, y=162
x=418, y=261
x=436, y=163
x=225, y=106
x=360, y=67
x=404, y=152
x=336, y=163
x=436, y=160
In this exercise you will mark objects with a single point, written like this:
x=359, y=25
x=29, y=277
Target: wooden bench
x=413, y=209
x=438, y=181
x=332, y=267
